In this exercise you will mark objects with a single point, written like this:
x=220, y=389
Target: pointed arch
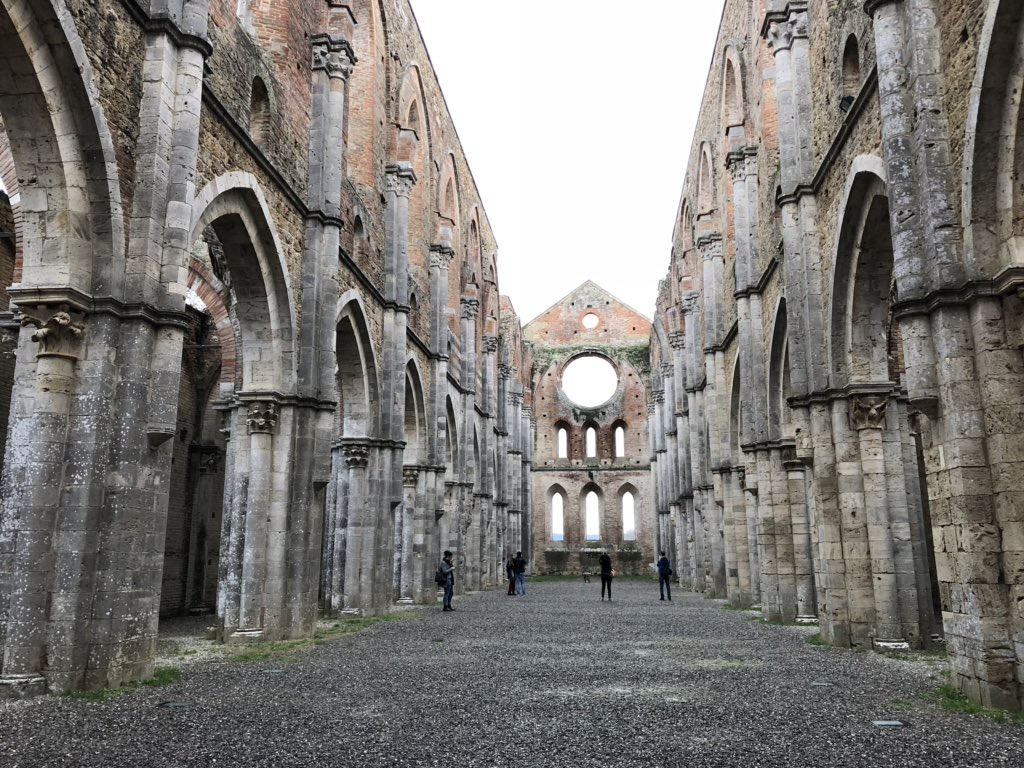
x=847, y=339
x=415, y=432
x=592, y=511
x=358, y=393
x=736, y=412
x=778, y=376
x=629, y=503
x=706, y=196
x=993, y=200
x=733, y=100
x=72, y=218
x=235, y=210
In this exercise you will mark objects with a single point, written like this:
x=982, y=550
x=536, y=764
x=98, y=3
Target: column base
x=245, y=636
x=809, y=620
x=21, y=686
x=888, y=646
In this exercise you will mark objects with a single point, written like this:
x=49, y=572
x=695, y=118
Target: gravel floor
x=555, y=678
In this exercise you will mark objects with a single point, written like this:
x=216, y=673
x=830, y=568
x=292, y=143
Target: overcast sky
x=576, y=117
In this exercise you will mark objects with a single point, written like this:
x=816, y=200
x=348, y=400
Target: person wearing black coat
x=665, y=577
x=606, y=574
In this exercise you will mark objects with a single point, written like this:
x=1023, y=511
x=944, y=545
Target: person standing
x=519, y=568
x=510, y=574
x=664, y=577
x=447, y=567
x=606, y=574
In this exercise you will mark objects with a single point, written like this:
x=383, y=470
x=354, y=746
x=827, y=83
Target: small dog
x=586, y=577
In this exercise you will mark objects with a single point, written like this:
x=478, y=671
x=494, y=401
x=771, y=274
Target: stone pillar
x=261, y=422
x=358, y=510
x=405, y=514
x=34, y=471
x=803, y=549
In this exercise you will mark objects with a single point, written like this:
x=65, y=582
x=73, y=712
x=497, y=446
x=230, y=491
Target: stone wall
x=271, y=372
x=844, y=191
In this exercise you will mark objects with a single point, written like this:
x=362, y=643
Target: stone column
x=359, y=513
x=261, y=423
x=34, y=471
x=803, y=550
x=405, y=515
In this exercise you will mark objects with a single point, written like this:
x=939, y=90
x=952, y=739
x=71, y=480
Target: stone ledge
x=21, y=687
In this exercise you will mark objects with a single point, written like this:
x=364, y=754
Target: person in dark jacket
x=510, y=573
x=519, y=568
x=606, y=574
x=664, y=577
x=448, y=569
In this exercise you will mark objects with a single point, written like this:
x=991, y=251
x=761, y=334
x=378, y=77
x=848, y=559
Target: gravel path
x=556, y=678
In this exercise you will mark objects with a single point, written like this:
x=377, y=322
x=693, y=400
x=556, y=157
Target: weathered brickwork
x=567, y=472
x=851, y=405
x=262, y=365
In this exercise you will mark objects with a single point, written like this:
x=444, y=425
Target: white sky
x=577, y=118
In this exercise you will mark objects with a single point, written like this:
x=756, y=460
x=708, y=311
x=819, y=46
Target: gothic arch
x=865, y=214
x=736, y=413
x=706, y=195
x=449, y=206
x=358, y=397
x=415, y=417
x=555, y=509
x=452, y=454
x=234, y=208
x=993, y=201
x=778, y=376
x=72, y=220
x=733, y=101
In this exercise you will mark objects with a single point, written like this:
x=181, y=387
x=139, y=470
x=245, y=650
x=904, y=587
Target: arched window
x=557, y=517
x=628, y=517
x=851, y=73
x=259, y=112
x=593, y=510
x=591, y=443
x=620, y=441
x=563, y=443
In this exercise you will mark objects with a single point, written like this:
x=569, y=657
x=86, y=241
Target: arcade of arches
x=256, y=362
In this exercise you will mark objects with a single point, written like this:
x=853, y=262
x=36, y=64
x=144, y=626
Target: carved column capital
x=333, y=55
x=677, y=340
x=870, y=6
x=470, y=309
x=516, y=398
x=399, y=179
x=490, y=344
x=59, y=332
x=441, y=256
x=711, y=248
x=410, y=476
x=868, y=412
x=668, y=370
x=357, y=455
x=505, y=371
x=691, y=302
x=262, y=417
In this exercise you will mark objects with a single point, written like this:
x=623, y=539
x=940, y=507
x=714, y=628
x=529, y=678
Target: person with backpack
x=519, y=569
x=664, y=577
x=446, y=577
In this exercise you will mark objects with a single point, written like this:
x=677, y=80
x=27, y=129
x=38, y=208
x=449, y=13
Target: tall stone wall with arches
x=839, y=331
x=591, y=461
x=261, y=368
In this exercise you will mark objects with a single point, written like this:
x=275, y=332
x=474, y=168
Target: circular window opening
x=589, y=381
x=590, y=321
